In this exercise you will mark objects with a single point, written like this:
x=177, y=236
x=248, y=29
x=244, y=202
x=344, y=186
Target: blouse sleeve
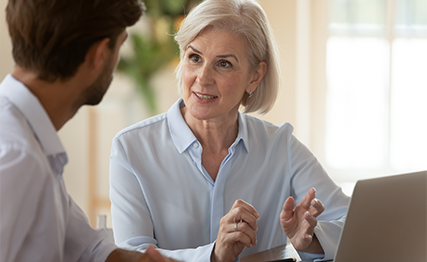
x=307, y=172
x=132, y=222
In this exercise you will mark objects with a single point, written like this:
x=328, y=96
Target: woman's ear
x=257, y=76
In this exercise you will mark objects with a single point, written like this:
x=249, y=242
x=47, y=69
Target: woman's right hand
x=236, y=230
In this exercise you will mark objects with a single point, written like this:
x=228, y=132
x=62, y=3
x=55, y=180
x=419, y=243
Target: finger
x=243, y=204
x=317, y=207
x=288, y=209
x=306, y=201
x=244, y=228
x=239, y=214
x=309, y=223
x=242, y=237
x=304, y=237
x=235, y=233
x=154, y=255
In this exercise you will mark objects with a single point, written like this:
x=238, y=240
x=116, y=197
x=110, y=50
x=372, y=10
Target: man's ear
x=257, y=76
x=98, y=53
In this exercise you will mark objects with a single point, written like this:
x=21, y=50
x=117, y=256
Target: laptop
x=386, y=220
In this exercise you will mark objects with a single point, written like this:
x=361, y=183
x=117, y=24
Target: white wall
x=290, y=21
x=6, y=61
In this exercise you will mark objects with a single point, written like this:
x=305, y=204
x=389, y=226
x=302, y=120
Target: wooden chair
x=101, y=222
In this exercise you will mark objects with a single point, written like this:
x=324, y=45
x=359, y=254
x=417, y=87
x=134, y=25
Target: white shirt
x=161, y=194
x=39, y=221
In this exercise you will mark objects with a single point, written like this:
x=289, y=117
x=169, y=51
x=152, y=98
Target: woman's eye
x=194, y=58
x=225, y=64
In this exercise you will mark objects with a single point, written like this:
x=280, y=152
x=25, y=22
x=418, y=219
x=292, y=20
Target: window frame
x=319, y=88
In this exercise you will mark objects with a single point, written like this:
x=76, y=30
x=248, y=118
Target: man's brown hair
x=51, y=37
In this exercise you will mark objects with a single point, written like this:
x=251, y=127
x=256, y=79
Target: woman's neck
x=215, y=135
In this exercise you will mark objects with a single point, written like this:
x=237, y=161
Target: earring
x=250, y=94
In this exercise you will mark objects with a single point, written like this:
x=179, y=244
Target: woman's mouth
x=204, y=96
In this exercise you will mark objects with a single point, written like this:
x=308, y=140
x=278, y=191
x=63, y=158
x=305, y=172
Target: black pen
x=283, y=260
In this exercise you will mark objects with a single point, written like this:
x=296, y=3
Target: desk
x=284, y=251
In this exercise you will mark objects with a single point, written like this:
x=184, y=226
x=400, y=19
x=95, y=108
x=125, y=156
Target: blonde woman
x=206, y=182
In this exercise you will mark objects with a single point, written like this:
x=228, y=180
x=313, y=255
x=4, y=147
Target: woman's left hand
x=298, y=223
x=233, y=235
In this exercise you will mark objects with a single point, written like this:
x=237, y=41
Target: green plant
x=156, y=48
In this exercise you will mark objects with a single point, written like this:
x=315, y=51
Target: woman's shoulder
x=267, y=137
x=151, y=125
x=261, y=125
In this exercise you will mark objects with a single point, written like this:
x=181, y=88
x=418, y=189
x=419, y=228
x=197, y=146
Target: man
x=65, y=54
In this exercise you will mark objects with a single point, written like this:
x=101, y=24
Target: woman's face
x=216, y=74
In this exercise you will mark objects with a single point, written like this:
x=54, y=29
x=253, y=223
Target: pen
x=284, y=260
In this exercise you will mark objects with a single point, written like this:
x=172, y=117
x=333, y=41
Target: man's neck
x=55, y=97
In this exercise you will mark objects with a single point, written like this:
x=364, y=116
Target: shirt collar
x=29, y=105
x=183, y=137
x=243, y=131
x=181, y=134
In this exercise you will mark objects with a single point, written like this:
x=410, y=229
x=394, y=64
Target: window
x=376, y=103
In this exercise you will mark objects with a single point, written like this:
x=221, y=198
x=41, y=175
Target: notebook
x=386, y=221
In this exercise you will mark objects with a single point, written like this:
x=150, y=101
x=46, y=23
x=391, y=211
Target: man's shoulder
x=15, y=132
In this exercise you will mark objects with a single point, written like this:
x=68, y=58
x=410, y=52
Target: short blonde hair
x=247, y=19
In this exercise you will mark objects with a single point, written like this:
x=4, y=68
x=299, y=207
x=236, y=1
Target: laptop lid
x=386, y=221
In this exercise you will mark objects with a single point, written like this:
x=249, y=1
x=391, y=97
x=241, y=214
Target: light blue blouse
x=162, y=195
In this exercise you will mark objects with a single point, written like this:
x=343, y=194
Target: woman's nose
x=205, y=77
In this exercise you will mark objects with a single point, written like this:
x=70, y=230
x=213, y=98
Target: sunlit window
x=357, y=102
x=408, y=127
x=376, y=115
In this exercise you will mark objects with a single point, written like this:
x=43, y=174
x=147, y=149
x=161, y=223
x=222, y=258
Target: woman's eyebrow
x=228, y=55
x=194, y=49
x=220, y=56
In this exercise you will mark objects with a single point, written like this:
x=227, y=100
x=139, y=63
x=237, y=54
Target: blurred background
x=355, y=88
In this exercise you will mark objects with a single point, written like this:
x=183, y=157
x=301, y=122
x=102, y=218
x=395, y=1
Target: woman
x=203, y=181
